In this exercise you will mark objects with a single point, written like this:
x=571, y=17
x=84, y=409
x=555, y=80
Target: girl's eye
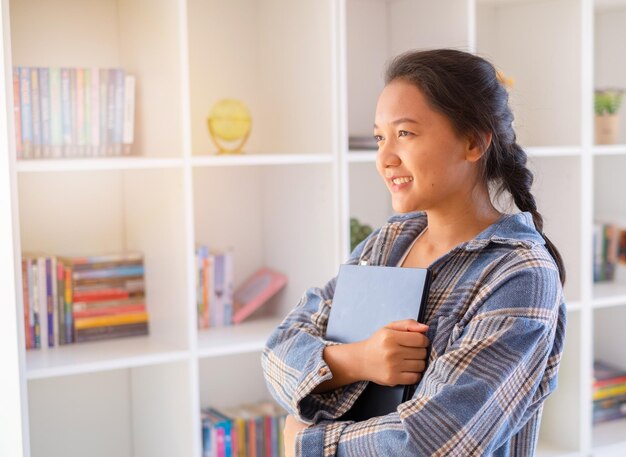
x=403, y=133
x=378, y=138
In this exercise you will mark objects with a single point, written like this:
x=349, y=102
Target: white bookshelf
x=310, y=72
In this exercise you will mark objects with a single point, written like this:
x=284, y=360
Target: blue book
x=366, y=299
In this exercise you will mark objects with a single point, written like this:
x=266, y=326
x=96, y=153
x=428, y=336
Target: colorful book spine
x=26, y=113
x=95, y=111
x=104, y=122
x=17, y=112
x=66, y=109
x=128, y=135
x=87, y=111
x=110, y=103
x=35, y=302
x=43, y=302
x=44, y=100
x=26, y=308
x=69, y=318
x=109, y=311
x=50, y=314
x=56, y=113
x=79, y=103
x=135, y=270
x=101, y=321
x=61, y=302
x=118, y=131
x=36, y=111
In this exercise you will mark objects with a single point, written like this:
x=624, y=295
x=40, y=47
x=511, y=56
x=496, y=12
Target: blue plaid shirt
x=497, y=319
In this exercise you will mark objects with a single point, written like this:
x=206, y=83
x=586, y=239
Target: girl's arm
x=488, y=385
x=293, y=359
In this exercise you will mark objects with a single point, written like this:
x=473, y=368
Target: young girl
x=495, y=317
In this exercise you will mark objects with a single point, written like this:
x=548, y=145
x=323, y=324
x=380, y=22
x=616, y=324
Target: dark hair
x=466, y=89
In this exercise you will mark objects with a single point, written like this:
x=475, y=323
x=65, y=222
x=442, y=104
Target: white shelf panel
x=88, y=163
x=553, y=151
x=237, y=339
x=548, y=450
x=365, y=155
x=259, y=159
x=613, y=149
x=609, y=294
x=609, y=438
x=99, y=356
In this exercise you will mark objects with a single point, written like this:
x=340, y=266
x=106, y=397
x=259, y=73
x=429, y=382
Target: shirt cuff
x=313, y=408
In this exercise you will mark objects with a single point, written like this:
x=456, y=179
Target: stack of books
x=214, y=288
x=73, y=112
x=609, y=250
x=609, y=392
x=76, y=299
x=249, y=430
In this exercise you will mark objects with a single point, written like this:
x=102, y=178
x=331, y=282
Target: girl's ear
x=477, y=145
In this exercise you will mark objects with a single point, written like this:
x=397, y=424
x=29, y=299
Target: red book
x=101, y=294
x=109, y=311
x=259, y=288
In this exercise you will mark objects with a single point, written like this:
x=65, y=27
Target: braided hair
x=465, y=88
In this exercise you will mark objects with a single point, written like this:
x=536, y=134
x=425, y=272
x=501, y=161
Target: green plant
x=358, y=232
x=607, y=101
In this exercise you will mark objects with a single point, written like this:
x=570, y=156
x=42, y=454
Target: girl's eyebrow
x=402, y=120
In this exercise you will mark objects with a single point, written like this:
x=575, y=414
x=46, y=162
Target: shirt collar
x=514, y=229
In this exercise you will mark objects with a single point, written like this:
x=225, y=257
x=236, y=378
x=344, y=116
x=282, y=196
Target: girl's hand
x=292, y=427
x=395, y=354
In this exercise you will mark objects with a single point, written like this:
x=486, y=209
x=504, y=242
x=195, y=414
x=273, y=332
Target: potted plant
x=606, y=104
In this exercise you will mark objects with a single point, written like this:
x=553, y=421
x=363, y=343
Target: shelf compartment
x=130, y=34
x=289, y=96
x=249, y=336
x=281, y=217
x=377, y=31
x=609, y=343
x=370, y=200
x=609, y=68
x=609, y=437
x=95, y=164
x=553, y=178
x=546, y=105
x=100, y=212
x=240, y=381
x=260, y=159
x=115, y=412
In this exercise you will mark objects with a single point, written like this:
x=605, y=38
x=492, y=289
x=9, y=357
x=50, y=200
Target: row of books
x=218, y=303
x=247, y=431
x=214, y=287
x=609, y=250
x=609, y=392
x=78, y=299
x=73, y=112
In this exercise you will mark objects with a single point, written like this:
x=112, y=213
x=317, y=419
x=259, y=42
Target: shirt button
x=323, y=371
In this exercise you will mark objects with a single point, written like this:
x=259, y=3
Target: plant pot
x=606, y=129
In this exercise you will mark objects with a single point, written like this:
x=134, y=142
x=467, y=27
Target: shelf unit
x=310, y=73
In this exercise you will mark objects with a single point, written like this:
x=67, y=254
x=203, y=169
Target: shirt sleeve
x=293, y=362
x=488, y=384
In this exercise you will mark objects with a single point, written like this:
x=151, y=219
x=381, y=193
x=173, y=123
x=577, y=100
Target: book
x=366, y=299
x=255, y=291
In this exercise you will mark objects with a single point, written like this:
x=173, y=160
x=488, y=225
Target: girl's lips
x=397, y=187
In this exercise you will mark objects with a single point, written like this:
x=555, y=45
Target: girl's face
x=422, y=160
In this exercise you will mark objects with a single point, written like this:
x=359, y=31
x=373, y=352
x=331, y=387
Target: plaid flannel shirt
x=497, y=319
